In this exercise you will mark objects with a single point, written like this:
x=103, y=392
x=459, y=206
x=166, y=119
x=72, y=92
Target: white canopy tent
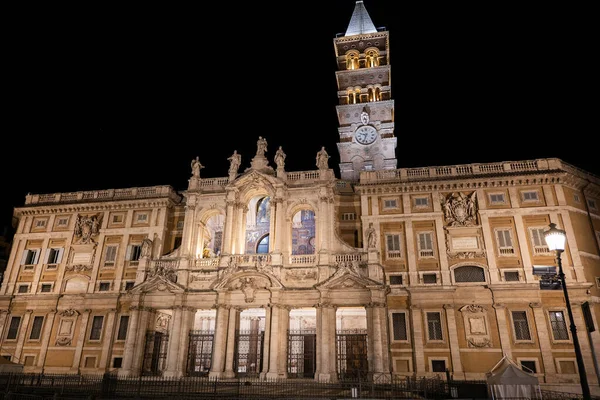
x=507, y=380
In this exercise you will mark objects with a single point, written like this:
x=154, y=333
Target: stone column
x=233, y=325
x=129, y=347
x=277, y=357
x=174, y=343
x=379, y=361
x=544, y=341
x=220, y=341
x=457, y=368
x=145, y=314
x=228, y=227
x=107, y=342
x=326, y=343
x=80, y=340
x=22, y=335
x=188, y=227
x=522, y=237
x=411, y=256
x=187, y=322
x=324, y=220
x=418, y=332
x=584, y=344
x=267, y=340
x=503, y=329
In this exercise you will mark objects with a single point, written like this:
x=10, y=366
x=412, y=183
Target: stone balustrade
x=103, y=195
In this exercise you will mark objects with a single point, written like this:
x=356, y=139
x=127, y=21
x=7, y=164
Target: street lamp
x=555, y=239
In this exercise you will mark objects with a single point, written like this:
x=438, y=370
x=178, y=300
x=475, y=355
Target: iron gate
x=248, y=352
x=155, y=353
x=200, y=352
x=352, y=362
x=302, y=357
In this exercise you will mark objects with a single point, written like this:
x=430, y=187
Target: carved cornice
x=35, y=209
x=69, y=313
x=535, y=305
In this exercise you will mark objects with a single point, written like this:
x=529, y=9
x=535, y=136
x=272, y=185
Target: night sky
x=101, y=97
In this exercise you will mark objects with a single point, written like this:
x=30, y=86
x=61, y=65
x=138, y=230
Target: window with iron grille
x=434, y=326
x=559, y=325
x=469, y=273
x=23, y=288
x=13, y=329
x=117, y=362
x=511, y=276
x=390, y=203
x=96, y=330
x=399, y=326
x=122, y=334
x=104, y=286
x=497, y=198
x=395, y=279
x=531, y=195
x=521, y=326
x=438, y=365
x=36, y=328
x=421, y=202
x=46, y=288
x=429, y=278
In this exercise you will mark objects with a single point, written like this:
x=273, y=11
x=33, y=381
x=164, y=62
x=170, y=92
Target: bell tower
x=365, y=107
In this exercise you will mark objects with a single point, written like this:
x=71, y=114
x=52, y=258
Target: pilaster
x=129, y=347
x=488, y=238
x=277, y=345
x=503, y=328
x=417, y=325
x=584, y=344
x=174, y=344
x=411, y=256
x=457, y=367
x=544, y=338
x=233, y=324
x=107, y=342
x=220, y=343
x=80, y=340
x=524, y=248
x=22, y=335
x=326, y=371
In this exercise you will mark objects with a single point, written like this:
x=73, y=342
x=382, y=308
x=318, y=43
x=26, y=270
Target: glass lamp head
x=555, y=238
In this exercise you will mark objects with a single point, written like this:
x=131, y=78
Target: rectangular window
x=528, y=366
x=399, y=326
x=134, y=252
x=390, y=203
x=425, y=244
x=511, y=276
x=504, y=238
x=429, y=278
x=46, y=288
x=62, y=222
x=122, y=334
x=96, y=330
x=23, y=288
x=421, y=202
x=538, y=241
x=434, y=326
x=559, y=325
x=129, y=285
x=117, y=218
x=438, y=365
x=521, y=326
x=530, y=196
x=392, y=243
x=104, y=287
x=40, y=223
x=110, y=255
x=348, y=216
x=54, y=255
x=117, y=362
x=141, y=218
x=30, y=257
x=592, y=204
x=13, y=329
x=395, y=279
x=497, y=198
x=36, y=328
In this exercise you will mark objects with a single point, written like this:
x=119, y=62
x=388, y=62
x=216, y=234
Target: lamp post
x=555, y=239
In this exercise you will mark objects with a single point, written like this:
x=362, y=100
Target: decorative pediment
x=158, y=283
x=348, y=275
x=233, y=279
x=254, y=180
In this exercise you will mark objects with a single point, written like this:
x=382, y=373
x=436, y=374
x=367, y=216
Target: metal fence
x=110, y=386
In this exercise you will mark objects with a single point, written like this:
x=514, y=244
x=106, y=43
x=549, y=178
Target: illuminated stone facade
x=299, y=274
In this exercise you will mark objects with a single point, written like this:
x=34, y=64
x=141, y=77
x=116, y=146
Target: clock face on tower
x=366, y=134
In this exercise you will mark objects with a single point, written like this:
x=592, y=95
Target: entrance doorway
x=201, y=339
x=302, y=343
x=249, y=341
x=351, y=343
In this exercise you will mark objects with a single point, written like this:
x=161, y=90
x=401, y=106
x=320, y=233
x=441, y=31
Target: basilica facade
x=300, y=274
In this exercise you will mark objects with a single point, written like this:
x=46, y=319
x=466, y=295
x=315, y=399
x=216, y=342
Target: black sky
x=100, y=97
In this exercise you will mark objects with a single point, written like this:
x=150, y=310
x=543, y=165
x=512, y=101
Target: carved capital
x=535, y=305
x=499, y=306
x=448, y=306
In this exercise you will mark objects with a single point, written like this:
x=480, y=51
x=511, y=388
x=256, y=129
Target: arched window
x=469, y=273
x=303, y=232
x=263, y=245
x=352, y=60
x=372, y=58
x=258, y=223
